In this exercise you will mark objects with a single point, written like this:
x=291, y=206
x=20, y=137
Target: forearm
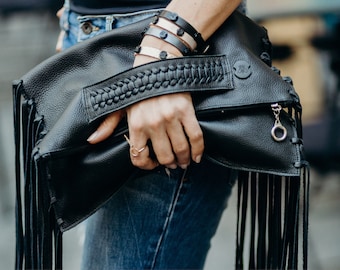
x=205, y=16
x=169, y=121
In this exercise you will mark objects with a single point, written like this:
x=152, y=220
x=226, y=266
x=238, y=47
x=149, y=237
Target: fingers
x=162, y=148
x=135, y=154
x=195, y=137
x=140, y=132
x=142, y=159
x=187, y=139
x=106, y=128
x=169, y=122
x=180, y=145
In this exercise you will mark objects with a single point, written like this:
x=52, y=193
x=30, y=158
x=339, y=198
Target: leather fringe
x=271, y=203
x=273, y=206
x=38, y=238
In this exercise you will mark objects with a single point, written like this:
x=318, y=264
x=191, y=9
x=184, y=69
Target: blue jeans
x=79, y=28
x=160, y=219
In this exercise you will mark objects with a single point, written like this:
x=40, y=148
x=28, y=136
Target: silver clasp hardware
x=278, y=128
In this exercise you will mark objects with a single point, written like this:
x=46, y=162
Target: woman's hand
x=169, y=122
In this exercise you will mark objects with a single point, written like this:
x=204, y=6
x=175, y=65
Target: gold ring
x=133, y=150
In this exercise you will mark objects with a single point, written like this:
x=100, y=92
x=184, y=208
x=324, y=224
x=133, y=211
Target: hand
x=169, y=122
x=106, y=128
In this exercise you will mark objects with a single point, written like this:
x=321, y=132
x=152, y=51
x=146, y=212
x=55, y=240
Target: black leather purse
x=249, y=114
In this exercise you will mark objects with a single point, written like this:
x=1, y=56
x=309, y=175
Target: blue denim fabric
x=160, y=219
x=163, y=219
x=72, y=23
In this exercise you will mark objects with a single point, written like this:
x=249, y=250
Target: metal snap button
x=87, y=28
x=242, y=69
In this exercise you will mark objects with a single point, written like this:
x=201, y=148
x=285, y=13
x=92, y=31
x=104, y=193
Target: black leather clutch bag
x=249, y=114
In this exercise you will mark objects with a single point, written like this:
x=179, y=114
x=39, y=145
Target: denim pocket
x=90, y=27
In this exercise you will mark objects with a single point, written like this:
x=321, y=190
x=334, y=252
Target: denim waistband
x=119, y=20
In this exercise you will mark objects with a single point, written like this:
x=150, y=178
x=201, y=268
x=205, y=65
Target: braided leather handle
x=185, y=74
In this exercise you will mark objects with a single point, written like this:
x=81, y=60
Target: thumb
x=106, y=128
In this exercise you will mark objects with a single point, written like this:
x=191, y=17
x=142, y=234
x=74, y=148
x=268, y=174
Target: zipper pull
x=279, y=132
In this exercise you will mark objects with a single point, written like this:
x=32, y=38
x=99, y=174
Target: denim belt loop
x=64, y=21
x=109, y=22
x=67, y=4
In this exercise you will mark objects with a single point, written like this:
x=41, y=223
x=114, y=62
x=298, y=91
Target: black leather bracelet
x=169, y=38
x=176, y=30
x=187, y=27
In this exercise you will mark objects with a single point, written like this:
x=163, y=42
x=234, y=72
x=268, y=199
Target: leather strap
x=176, y=30
x=164, y=77
x=169, y=38
x=173, y=17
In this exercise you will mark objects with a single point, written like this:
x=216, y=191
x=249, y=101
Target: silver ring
x=283, y=131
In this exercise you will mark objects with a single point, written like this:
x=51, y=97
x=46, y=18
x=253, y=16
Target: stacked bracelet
x=187, y=27
x=176, y=30
x=154, y=53
x=169, y=38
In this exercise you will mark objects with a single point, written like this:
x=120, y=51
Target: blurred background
x=306, y=39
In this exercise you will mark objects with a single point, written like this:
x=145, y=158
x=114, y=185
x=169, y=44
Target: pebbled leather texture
x=233, y=87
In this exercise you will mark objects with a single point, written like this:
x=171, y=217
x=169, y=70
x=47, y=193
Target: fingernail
x=198, y=159
x=93, y=136
x=183, y=166
x=172, y=166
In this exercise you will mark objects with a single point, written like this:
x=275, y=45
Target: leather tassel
x=38, y=237
x=272, y=203
x=18, y=206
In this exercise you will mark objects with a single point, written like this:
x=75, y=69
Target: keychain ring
x=279, y=128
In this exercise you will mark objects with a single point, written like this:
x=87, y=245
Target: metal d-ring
x=276, y=108
x=279, y=127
